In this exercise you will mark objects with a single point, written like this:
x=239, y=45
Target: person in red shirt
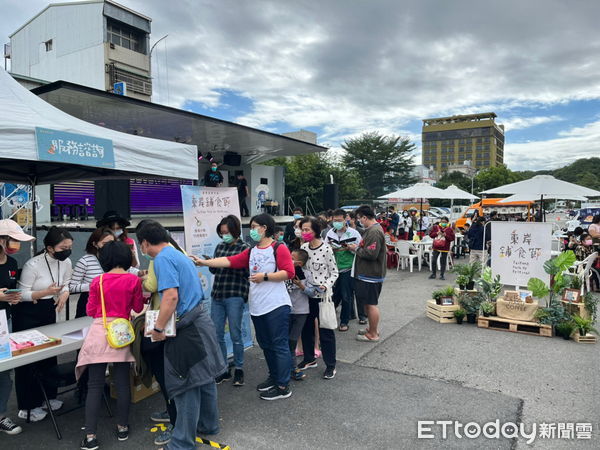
x=443, y=237
x=122, y=292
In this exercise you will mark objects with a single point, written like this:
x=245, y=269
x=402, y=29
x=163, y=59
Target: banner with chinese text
x=203, y=209
x=519, y=250
x=72, y=148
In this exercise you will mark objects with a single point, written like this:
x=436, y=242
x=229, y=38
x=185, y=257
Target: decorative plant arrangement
x=584, y=326
x=459, y=315
x=490, y=286
x=467, y=274
x=488, y=308
x=565, y=329
x=471, y=304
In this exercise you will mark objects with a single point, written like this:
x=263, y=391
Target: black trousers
x=154, y=355
x=297, y=322
x=97, y=378
x=443, y=256
x=82, y=304
x=244, y=212
x=26, y=315
x=326, y=336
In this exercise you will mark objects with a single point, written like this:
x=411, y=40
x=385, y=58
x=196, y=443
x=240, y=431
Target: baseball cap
x=9, y=227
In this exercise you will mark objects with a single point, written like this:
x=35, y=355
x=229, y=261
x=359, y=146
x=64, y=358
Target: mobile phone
x=207, y=257
x=12, y=291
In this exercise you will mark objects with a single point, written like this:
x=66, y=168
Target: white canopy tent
x=418, y=190
x=21, y=112
x=455, y=193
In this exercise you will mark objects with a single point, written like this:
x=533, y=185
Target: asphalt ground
x=420, y=370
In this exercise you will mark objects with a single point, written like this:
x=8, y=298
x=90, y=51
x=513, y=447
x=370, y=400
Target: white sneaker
x=54, y=404
x=36, y=415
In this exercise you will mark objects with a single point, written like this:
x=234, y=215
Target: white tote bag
x=327, y=316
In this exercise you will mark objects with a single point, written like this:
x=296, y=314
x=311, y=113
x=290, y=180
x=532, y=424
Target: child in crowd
x=300, y=289
x=278, y=236
x=121, y=293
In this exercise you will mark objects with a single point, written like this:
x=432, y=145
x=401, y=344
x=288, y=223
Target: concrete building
x=448, y=141
x=95, y=43
x=424, y=174
x=466, y=168
x=302, y=135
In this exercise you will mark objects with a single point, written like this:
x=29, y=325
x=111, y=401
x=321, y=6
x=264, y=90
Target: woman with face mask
x=88, y=267
x=443, y=238
x=296, y=241
x=585, y=247
x=44, y=288
x=229, y=296
x=118, y=225
x=270, y=264
x=11, y=236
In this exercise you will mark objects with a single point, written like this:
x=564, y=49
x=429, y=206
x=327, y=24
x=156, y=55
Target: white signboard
x=519, y=250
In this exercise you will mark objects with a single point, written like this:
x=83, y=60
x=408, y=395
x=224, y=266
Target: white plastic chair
x=402, y=249
x=583, y=270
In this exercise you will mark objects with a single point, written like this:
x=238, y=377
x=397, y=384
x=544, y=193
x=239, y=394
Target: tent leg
x=33, y=219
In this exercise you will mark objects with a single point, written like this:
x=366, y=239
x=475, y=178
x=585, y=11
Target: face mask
x=307, y=237
x=297, y=216
x=404, y=214
x=586, y=242
x=280, y=238
x=297, y=232
x=12, y=247
x=255, y=235
x=214, y=169
x=61, y=256
x=227, y=238
x=443, y=225
x=118, y=233
x=147, y=256
x=338, y=225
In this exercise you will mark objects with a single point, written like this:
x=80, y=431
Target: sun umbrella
x=454, y=192
x=421, y=191
x=542, y=186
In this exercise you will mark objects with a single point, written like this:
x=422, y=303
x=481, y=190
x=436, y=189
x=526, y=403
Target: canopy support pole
x=33, y=201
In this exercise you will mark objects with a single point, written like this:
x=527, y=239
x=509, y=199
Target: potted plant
x=470, y=303
x=584, y=326
x=459, y=314
x=490, y=286
x=469, y=270
x=565, y=329
x=437, y=296
x=447, y=294
x=488, y=308
x=462, y=281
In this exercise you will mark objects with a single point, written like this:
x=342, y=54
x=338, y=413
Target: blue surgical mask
x=147, y=256
x=227, y=238
x=214, y=169
x=118, y=233
x=338, y=225
x=280, y=238
x=297, y=216
x=255, y=235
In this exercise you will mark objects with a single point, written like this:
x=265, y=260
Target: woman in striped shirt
x=88, y=268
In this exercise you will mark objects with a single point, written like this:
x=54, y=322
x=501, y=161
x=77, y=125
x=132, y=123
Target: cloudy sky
x=342, y=67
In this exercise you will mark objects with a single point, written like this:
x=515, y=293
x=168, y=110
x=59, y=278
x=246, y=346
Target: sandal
x=365, y=338
x=362, y=322
x=343, y=327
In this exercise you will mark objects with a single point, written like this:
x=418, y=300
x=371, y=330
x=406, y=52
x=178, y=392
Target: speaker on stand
x=331, y=196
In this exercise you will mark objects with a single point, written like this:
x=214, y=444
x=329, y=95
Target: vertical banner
x=203, y=209
x=519, y=250
x=4, y=336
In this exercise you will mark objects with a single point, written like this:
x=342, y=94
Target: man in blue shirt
x=192, y=359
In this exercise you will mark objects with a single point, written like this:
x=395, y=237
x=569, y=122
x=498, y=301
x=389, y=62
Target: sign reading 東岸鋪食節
x=519, y=250
x=72, y=148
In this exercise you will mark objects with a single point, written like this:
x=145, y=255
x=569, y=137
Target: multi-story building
x=95, y=43
x=448, y=141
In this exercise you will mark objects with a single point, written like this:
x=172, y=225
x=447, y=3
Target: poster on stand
x=519, y=251
x=4, y=336
x=203, y=209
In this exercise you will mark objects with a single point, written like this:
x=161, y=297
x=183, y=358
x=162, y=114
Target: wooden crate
x=587, y=339
x=515, y=326
x=469, y=292
x=576, y=308
x=441, y=313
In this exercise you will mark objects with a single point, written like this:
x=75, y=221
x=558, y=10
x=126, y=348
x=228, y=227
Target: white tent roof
x=419, y=190
x=535, y=198
x=545, y=185
x=456, y=193
x=21, y=112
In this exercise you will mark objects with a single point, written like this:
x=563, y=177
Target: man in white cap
x=11, y=236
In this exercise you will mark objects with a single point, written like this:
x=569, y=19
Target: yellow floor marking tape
x=163, y=427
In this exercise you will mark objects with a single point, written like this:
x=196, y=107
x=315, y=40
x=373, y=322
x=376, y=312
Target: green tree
x=585, y=172
x=383, y=163
x=458, y=179
x=493, y=177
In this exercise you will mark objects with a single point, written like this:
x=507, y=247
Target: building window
x=126, y=37
x=135, y=83
x=48, y=45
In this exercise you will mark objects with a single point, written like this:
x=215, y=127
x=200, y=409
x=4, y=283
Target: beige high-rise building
x=450, y=141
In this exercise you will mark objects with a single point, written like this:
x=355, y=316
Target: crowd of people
x=285, y=277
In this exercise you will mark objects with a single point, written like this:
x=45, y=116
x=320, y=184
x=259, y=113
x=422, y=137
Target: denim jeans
x=232, y=309
x=197, y=413
x=5, y=385
x=343, y=293
x=272, y=334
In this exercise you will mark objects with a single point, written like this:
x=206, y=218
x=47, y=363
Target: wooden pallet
x=576, y=308
x=587, y=339
x=515, y=326
x=441, y=313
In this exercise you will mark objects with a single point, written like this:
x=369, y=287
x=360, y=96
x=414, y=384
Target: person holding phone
x=11, y=236
x=45, y=291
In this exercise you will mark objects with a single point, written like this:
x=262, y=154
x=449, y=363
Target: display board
x=519, y=250
x=203, y=209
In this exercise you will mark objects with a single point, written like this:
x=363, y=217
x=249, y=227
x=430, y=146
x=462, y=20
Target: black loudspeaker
x=232, y=159
x=112, y=195
x=331, y=196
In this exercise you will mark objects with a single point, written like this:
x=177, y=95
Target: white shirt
x=40, y=272
x=87, y=268
x=267, y=296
